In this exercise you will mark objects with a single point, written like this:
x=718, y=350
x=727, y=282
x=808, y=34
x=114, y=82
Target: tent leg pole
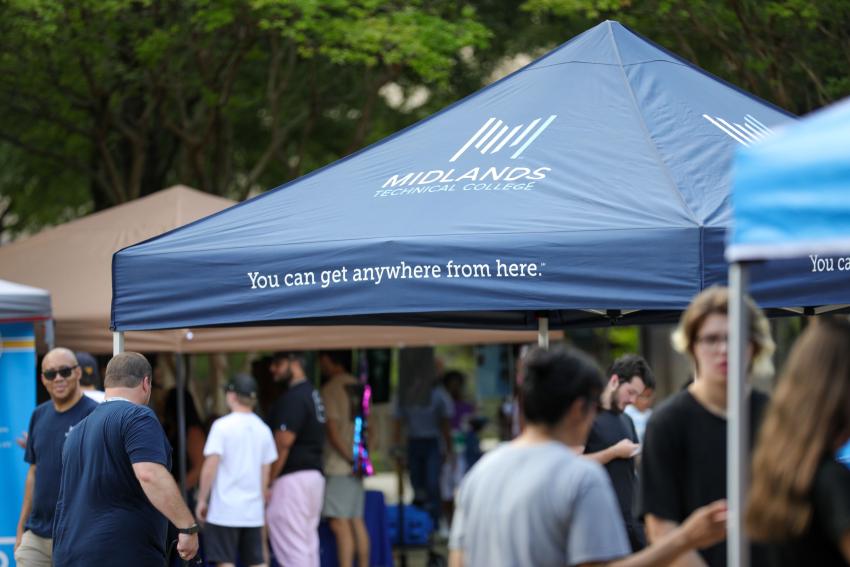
x=117, y=342
x=180, y=375
x=737, y=434
x=543, y=331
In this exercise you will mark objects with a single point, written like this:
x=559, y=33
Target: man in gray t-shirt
x=533, y=502
x=560, y=524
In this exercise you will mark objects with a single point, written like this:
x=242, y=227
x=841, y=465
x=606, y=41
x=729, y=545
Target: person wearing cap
x=90, y=377
x=298, y=486
x=238, y=456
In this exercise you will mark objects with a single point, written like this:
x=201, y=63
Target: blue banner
x=17, y=401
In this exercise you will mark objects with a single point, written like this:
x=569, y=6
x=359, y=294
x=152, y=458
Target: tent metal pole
x=117, y=342
x=737, y=428
x=180, y=375
x=543, y=331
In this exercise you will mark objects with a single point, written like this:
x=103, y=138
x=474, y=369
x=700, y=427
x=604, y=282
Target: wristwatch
x=193, y=529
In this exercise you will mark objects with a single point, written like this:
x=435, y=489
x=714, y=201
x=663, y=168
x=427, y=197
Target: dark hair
x=630, y=365
x=127, y=370
x=288, y=355
x=453, y=376
x=339, y=357
x=556, y=378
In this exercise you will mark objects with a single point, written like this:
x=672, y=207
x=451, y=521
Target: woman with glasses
x=684, y=454
x=799, y=501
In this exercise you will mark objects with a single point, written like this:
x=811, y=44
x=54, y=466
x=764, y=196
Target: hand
x=625, y=449
x=22, y=440
x=706, y=526
x=201, y=511
x=187, y=546
x=18, y=536
x=267, y=495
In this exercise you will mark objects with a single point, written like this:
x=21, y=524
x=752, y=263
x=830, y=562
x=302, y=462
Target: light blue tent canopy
x=791, y=201
x=792, y=193
x=591, y=185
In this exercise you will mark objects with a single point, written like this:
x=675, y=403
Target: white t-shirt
x=95, y=395
x=244, y=444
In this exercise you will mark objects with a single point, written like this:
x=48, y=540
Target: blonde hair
x=715, y=301
x=808, y=418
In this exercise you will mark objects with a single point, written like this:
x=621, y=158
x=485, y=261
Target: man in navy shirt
x=116, y=490
x=49, y=425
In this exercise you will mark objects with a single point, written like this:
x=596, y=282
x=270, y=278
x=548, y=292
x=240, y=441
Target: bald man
x=50, y=423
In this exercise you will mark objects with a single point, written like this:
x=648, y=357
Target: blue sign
x=17, y=401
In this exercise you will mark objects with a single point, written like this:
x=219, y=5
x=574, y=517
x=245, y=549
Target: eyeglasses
x=713, y=341
x=64, y=372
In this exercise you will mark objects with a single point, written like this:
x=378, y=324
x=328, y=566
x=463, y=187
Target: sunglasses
x=64, y=372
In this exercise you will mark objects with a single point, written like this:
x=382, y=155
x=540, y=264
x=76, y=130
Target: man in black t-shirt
x=297, y=419
x=116, y=494
x=50, y=424
x=613, y=441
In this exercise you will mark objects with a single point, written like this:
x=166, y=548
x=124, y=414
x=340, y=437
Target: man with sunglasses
x=49, y=426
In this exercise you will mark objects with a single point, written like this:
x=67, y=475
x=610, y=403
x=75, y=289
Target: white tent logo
x=750, y=132
x=491, y=138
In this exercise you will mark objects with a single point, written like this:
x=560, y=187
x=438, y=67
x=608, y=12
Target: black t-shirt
x=47, y=432
x=103, y=516
x=608, y=429
x=683, y=465
x=819, y=545
x=300, y=411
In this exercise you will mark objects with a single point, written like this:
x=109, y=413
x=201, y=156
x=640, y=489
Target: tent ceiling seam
x=646, y=132
x=418, y=236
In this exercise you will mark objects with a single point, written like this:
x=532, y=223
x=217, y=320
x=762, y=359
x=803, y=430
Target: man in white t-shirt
x=239, y=452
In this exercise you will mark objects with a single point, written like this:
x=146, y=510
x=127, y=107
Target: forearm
x=278, y=465
x=455, y=558
x=602, y=457
x=26, y=505
x=658, y=529
x=208, y=472
x=662, y=552
x=337, y=442
x=265, y=475
x=163, y=493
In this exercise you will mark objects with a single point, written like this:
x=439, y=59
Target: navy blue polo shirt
x=47, y=432
x=102, y=508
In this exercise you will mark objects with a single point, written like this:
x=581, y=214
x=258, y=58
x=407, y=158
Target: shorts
x=344, y=497
x=221, y=544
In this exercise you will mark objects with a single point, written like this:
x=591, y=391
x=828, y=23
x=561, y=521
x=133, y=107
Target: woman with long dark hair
x=800, y=496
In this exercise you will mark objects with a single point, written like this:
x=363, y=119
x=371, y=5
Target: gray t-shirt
x=537, y=506
x=423, y=422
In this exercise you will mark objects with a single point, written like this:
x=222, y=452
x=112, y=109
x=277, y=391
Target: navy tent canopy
x=592, y=183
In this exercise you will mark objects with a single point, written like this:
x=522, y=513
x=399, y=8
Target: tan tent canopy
x=73, y=261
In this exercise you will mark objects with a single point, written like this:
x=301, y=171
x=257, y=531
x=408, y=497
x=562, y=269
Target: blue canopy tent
x=590, y=186
x=791, y=199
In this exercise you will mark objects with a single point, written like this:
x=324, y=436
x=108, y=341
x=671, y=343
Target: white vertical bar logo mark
x=493, y=133
x=751, y=131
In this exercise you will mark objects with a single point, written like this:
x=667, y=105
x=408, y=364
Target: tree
x=119, y=98
x=794, y=53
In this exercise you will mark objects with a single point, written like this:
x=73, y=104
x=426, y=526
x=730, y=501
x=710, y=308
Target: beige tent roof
x=74, y=261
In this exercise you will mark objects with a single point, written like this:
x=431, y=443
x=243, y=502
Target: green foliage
x=102, y=101
x=229, y=96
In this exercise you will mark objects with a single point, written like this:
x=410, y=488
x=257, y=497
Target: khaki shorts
x=34, y=551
